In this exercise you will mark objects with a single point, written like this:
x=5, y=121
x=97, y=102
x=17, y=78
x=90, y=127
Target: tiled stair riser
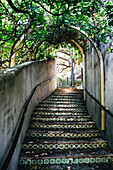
x=58, y=113
x=62, y=126
x=62, y=104
x=62, y=134
x=65, y=146
x=62, y=119
x=68, y=161
x=66, y=99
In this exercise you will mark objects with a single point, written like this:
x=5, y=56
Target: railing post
x=72, y=75
x=102, y=95
x=84, y=75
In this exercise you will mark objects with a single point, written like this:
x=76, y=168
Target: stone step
x=76, y=159
x=63, y=102
x=62, y=134
x=56, y=150
x=100, y=166
x=62, y=90
x=65, y=99
x=67, y=94
x=62, y=105
x=71, y=126
x=61, y=118
x=66, y=111
x=64, y=145
x=59, y=113
x=68, y=90
x=60, y=109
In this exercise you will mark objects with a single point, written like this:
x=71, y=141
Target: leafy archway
x=30, y=29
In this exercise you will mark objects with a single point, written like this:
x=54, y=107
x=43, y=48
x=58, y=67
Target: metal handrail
x=16, y=134
x=103, y=107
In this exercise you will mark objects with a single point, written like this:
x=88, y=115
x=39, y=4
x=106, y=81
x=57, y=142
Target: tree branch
x=65, y=60
x=64, y=65
x=18, y=10
x=63, y=69
x=6, y=60
x=62, y=51
x=50, y=11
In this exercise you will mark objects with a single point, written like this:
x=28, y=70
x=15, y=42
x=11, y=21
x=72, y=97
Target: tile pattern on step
x=83, y=160
x=62, y=135
x=59, y=113
x=51, y=134
x=73, y=145
x=84, y=125
x=62, y=119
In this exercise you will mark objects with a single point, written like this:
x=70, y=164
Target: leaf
x=92, y=35
x=103, y=31
x=95, y=15
x=45, y=28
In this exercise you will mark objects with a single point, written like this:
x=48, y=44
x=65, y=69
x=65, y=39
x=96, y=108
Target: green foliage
x=78, y=57
x=46, y=25
x=59, y=80
x=77, y=83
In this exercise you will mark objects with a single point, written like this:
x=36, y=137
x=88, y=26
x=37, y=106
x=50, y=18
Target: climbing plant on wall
x=30, y=29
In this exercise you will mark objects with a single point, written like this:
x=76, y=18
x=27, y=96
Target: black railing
x=16, y=134
x=103, y=107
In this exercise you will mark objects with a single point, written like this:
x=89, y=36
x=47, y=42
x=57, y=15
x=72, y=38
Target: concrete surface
x=92, y=83
x=93, y=86
x=15, y=87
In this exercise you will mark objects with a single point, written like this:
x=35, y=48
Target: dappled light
x=30, y=30
x=56, y=85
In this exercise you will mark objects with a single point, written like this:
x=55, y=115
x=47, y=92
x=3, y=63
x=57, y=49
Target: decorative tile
x=64, y=99
x=59, y=109
x=64, y=135
x=65, y=119
x=58, y=161
x=52, y=161
x=64, y=96
x=46, y=161
x=66, y=106
x=60, y=114
x=68, y=109
x=64, y=102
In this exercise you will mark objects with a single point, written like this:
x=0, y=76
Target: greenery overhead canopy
x=41, y=25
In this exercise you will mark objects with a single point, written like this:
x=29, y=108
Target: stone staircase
x=62, y=136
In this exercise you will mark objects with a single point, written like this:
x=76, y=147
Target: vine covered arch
x=74, y=36
x=24, y=25
x=101, y=73
x=100, y=62
x=30, y=29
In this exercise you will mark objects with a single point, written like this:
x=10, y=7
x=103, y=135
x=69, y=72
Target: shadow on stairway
x=62, y=136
